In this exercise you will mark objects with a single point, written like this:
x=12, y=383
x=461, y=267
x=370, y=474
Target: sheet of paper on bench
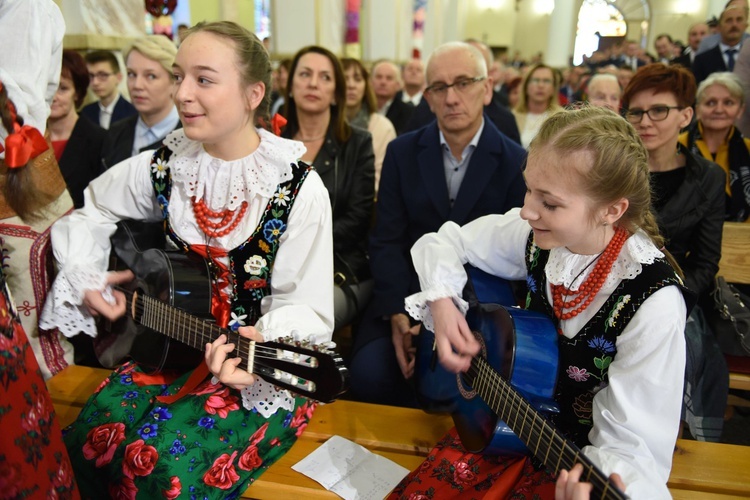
x=351, y=471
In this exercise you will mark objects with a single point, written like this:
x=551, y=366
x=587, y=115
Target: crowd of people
x=328, y=193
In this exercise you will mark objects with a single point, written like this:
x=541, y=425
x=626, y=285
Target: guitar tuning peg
x=326, y=346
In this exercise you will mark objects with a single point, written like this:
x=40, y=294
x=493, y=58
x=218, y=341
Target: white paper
x=351, y=471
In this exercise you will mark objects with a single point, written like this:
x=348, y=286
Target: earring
x=605, y=223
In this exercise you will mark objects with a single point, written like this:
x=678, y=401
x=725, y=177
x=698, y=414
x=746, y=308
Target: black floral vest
x=251, y=263
x=584, y=360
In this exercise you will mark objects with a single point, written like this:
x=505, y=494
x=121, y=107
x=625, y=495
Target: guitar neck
x=186, y=328
x=544, y=441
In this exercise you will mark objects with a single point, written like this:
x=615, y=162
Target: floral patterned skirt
x=33, y=460
x=127, y=444
x=451, y=472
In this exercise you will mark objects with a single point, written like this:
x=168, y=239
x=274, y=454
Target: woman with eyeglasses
x=537, y=101
x=688, y=200
x=719, y=103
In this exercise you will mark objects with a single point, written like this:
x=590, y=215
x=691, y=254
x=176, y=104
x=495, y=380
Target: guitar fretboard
x=543, y=440
x=189, y=329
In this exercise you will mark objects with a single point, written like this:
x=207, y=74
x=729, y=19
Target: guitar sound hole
x=465, y=389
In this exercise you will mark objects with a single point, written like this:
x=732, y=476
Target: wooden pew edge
x=68, y=405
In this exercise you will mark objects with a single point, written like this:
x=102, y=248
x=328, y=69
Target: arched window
x=597, y=18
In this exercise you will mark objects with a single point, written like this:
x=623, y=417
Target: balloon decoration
x=160, y=7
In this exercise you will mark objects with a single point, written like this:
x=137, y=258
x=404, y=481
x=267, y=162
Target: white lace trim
x=63, y=308
x=266, y=398
x=563, y=266
x=417, y=305
x=226, y=184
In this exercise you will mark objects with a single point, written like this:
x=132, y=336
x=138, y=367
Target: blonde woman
x=148, y=62
x=537, y=101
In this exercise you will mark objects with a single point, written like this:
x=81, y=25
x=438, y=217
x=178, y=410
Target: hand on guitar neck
x=454, y=340
x=569, y=487
x=227, y=370
x=97, y=304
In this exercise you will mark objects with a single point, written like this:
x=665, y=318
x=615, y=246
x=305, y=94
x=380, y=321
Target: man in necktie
x=732, y=26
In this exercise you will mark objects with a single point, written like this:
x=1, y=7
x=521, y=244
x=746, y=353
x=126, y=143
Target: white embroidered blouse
x=636, y=417
x=301, y=300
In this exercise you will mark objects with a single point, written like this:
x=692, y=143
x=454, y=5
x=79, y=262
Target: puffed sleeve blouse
x=298, y=305
x=636, y=417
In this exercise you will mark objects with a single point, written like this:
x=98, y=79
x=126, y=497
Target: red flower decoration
x=251, y=284
x=139, y=459
x=206, y=388
x=221, y=403
x=463, y=474
x=175, y=490
x=258, y=435
x=126, y=490
x=102, y=441
x=249, y=460
x=10, y=479
x=222, y=474
x=63, y=480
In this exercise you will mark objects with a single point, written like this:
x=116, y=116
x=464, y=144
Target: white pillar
x=715, y=7
x=380, y=38
x=561, y=34
x=293, y=25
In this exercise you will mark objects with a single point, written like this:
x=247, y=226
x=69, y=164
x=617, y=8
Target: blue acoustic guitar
x=499, y=404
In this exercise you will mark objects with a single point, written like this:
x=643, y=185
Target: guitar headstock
x=313, y=371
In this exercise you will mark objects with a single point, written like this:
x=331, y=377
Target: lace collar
x=226, y=184
x=564, y=266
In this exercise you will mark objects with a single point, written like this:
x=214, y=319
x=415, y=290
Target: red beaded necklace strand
x=223, y=226
x=581, y=298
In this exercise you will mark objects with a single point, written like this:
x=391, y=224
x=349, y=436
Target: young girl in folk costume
x=589, y=248
x=238, y=195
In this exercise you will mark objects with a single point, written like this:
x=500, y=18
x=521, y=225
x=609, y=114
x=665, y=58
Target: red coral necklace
x=225, y=224
x=581, y=298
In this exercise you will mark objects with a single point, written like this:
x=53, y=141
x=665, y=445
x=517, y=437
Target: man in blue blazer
x=732, y=26
x=457, y=168
x=105, y=75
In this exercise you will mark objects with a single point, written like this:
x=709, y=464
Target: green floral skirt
x=127, y=444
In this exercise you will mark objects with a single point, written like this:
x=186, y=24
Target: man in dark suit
x=732, y=26
x=695, y=34
x=105, y=75
x=458, y=168
x=386, y=83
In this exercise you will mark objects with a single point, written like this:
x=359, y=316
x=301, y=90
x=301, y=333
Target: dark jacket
x=118, y=145
x=348, y=173
x=399, y=113
x=123, y=109
x=499, y=115
x=692, y=221
x=80, y=162
x=413, y=201
x=708, y=62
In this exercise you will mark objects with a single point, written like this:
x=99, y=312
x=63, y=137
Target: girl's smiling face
x=559, y=212
x=215, y=106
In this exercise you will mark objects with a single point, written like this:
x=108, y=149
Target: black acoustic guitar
x=159, y=332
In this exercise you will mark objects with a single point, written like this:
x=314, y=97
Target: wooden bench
x=699, y=470
x=735, y=267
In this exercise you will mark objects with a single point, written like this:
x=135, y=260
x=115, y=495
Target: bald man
x=386, y=83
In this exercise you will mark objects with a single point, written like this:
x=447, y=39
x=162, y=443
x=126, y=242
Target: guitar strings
x=160, y=317
x=568, y=455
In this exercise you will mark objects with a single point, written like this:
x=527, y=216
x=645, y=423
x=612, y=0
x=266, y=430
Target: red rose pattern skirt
x=33, y=460
x=451, y=472
x=126, y=444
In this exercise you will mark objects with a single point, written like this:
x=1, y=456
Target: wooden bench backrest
x=735, y=253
